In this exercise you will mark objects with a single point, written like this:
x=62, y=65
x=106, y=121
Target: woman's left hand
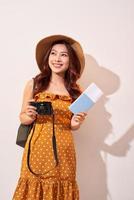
x=78, y=119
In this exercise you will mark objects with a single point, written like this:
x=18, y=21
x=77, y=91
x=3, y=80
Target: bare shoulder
x=29, y=85
x=28, y=89
x=27, y=94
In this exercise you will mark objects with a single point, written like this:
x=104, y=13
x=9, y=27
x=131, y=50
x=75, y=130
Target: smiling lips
x=57, y=65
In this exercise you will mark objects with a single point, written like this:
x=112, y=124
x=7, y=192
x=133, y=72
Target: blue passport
x=87, y=99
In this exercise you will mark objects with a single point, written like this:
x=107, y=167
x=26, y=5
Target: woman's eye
x=64, y=55
x=52, y=53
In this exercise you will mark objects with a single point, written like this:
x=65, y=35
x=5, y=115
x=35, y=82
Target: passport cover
x=87, y=99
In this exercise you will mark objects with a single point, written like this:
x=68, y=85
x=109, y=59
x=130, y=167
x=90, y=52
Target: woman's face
x=58, y=59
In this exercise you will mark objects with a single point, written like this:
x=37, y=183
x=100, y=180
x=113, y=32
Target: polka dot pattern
x=51, y=182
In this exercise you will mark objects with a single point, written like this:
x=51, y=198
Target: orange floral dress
x=55, y=182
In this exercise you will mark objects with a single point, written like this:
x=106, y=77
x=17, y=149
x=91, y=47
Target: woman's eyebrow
x=61, y=51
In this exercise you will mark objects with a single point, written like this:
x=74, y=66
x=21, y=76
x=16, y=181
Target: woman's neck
x=57, y=79
x=56, y=85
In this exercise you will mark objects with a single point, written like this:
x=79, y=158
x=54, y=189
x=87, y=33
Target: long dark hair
x=71, y=75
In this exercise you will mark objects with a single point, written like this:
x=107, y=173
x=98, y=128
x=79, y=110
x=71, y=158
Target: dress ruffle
x=37, y=188
x=52, y=96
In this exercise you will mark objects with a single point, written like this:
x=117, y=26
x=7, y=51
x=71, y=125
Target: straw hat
x=46, y=42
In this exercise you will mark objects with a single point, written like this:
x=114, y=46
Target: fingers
x=29, y=107
x=82, y=114
x=79, y=117
x=31, y=110
x=31, y=113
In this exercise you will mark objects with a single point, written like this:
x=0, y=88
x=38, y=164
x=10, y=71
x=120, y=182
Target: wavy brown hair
x=71, y=76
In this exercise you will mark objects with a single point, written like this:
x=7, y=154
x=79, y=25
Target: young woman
x=43, y=177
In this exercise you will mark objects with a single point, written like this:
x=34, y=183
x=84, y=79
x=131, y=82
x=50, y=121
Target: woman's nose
x=57, y=58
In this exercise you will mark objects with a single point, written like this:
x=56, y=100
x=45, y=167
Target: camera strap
x=54, y=145
x=54, y=142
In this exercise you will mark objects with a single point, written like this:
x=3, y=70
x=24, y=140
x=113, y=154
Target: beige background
x=104, y=144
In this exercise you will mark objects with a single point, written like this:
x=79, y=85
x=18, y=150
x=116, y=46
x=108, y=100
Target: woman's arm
x=28, y=113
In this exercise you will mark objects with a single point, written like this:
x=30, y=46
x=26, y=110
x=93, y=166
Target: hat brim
x=46, y=43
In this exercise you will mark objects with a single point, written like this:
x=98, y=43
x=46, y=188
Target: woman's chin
x=58, y=71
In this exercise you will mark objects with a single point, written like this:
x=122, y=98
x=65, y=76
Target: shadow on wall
x=90, y=142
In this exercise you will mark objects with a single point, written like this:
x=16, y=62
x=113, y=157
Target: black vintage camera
x=43, y=108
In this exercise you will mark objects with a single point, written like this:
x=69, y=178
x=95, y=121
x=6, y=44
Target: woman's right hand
x=30, y=111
